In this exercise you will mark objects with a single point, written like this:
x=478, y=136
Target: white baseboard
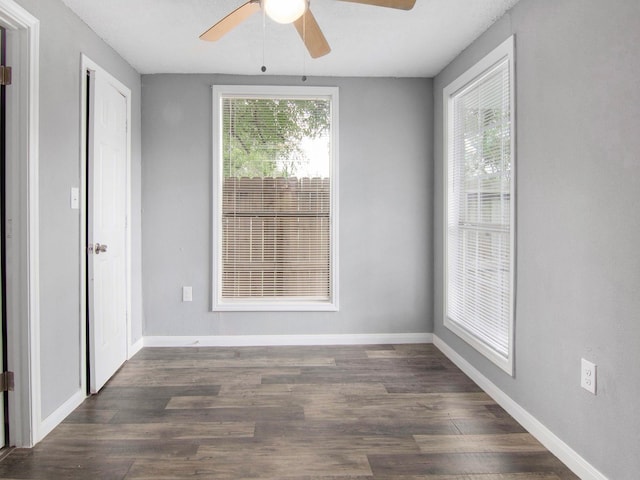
x=135, y=348
x=55, y=418
x=268, y=340
x=555, y=445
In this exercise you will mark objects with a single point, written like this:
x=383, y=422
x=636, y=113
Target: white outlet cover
x=588, y=376
x=187, y=294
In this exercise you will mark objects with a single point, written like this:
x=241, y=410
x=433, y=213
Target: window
x=275, y=198
x=479, y=237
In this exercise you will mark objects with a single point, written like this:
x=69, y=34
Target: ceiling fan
x=292, y=11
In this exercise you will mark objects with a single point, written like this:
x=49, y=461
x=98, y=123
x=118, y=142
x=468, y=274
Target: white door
x=107, y=209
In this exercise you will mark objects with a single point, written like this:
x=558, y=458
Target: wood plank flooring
x=377, y=412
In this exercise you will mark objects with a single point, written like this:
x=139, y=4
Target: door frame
x=89, y=66
x=4, y=360
x=23, y=298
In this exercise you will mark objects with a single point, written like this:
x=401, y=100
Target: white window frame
x=267, y=305
x=468, y=78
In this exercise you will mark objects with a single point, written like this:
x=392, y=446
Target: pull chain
x=304, y=42
x=264, y=39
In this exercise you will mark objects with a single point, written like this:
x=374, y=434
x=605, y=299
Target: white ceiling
x=161, y=36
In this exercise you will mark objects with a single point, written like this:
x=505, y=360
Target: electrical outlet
x=187, y=294
x=588, y=376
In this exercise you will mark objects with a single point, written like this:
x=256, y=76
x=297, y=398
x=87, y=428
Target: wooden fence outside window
x=276, y=238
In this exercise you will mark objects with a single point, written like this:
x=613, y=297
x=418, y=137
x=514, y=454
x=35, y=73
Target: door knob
x=100, y=248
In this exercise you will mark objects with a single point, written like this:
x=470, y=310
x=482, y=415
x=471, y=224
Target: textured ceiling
x=161, y=36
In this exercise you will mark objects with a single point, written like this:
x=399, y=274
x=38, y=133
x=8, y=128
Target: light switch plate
x=75, y=198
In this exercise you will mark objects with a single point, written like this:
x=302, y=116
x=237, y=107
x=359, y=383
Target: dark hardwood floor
x=377, y=412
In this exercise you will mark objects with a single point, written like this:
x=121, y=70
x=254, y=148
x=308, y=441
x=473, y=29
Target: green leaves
x=262, y=137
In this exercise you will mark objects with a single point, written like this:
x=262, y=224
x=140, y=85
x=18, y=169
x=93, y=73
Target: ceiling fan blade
x=231, y=21
x=399, y=4
x=311, y=35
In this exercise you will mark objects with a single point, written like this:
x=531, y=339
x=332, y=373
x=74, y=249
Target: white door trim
x=88, y=65
x=23, y=33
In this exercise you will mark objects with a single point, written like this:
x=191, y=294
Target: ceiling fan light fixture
x=285, y=11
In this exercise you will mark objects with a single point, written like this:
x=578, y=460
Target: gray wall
x=385, y=204
x=62, y=38
x=578, y=191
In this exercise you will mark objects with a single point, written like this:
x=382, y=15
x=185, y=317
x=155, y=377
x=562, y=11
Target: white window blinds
x=275, y=218
x=479, y=265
